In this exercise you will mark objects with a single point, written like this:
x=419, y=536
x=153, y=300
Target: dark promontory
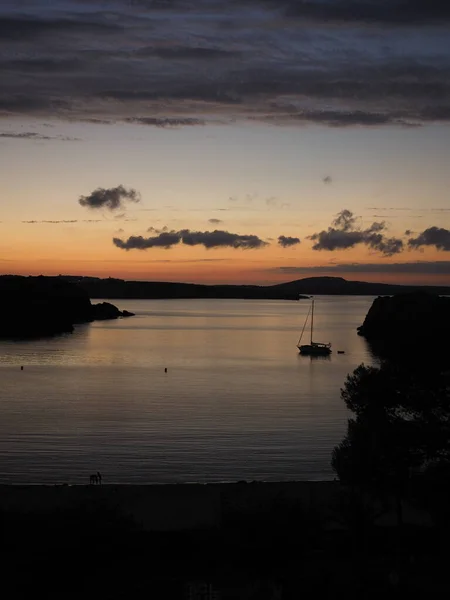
x=409, y=324
x=44, y=306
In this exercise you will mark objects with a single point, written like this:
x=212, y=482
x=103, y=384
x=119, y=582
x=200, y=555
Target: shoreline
x=188, y=506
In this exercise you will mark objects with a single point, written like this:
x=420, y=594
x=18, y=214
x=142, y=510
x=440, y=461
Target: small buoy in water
x=341, y=351
x=21, y=368
x=165, y=370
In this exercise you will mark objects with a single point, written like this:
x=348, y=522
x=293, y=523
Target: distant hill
x=118, y=288
x=341, y=287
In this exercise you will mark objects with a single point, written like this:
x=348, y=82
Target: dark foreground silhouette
x=245, y=540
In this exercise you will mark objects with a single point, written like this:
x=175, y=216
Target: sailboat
x=313, y=348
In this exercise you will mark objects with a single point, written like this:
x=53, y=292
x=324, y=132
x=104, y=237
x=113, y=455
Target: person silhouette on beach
x=99, y=477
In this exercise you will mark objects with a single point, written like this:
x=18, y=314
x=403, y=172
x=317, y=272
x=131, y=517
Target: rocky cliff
x=409, y=324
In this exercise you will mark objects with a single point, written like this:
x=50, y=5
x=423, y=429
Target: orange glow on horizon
x=53, y=250
x=206, y=273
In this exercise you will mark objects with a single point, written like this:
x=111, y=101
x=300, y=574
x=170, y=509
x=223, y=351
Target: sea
x=185, y=391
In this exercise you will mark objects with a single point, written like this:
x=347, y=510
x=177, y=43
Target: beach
x=185, y=507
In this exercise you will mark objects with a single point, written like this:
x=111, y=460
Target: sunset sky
x=250, y=141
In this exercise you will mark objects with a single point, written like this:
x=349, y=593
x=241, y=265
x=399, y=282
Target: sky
x=240, y=141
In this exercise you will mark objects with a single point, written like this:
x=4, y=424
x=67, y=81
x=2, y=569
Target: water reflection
x=315, y=358
x=238, y=400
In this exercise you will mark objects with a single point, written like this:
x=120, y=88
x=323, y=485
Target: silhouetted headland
x=293, y=290
x=44, y=306
x=413, y=324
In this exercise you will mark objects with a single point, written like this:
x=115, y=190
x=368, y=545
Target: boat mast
x=312, y=320
x=304, y=325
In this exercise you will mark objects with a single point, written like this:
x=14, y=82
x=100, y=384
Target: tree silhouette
x=401, y=427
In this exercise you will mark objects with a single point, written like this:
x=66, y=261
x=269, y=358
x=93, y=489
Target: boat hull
x=315, y=350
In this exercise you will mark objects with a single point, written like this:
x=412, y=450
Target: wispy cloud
x=29, y=135
x=53, y=222
x=56, y=221
x=167, y=122
x=419, y=267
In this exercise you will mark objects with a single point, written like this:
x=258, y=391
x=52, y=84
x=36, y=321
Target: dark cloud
x=163, y=240
x=218, y=238
x=45, y=65
x=384, y=245
x=22, y=28
x=286, y=241
x=336, y=239
x=433, y=236
x=215, y=221
x=386, y=12
x=207, y=92
x=186, y=52
x=208, y=239
x=435, y=113
x=182, y=63
x=32, y=104
x=345, y=233
x=111, y=198
x=347, y=118
x=166, y=121
x=419, y=267
x=346, y=221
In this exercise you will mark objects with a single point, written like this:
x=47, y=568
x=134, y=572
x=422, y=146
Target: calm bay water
x=237, y=402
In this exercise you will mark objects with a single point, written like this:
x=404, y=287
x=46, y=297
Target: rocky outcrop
x=408, y=324
x=105, y=310
x=33, y=307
